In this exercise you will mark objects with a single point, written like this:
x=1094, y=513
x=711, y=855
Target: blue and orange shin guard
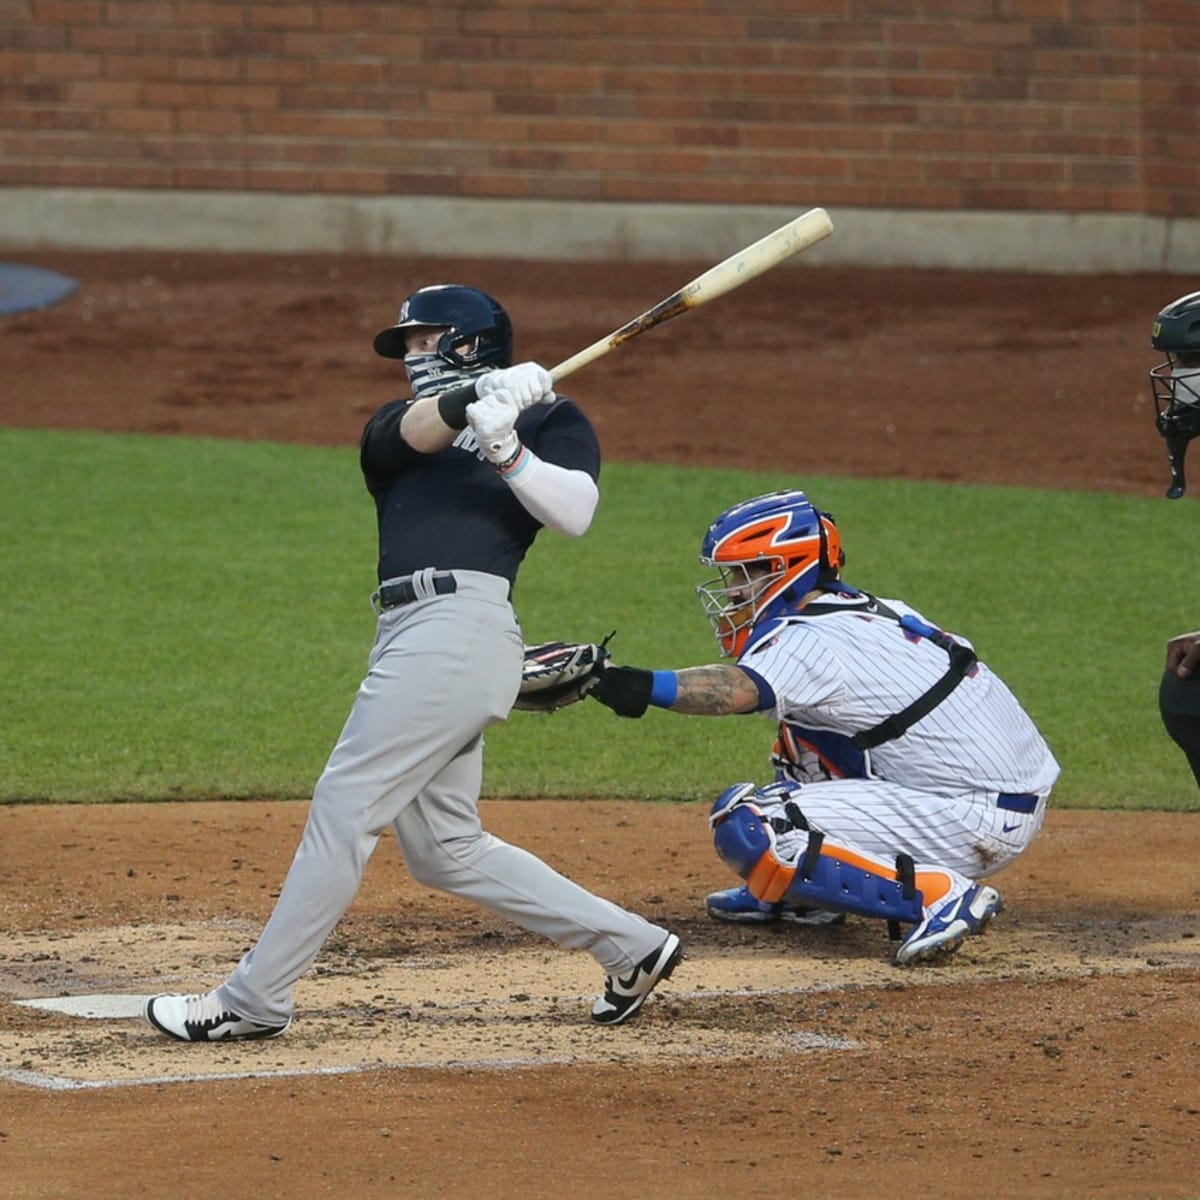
x=827, y=875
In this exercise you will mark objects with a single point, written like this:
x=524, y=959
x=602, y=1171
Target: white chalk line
x=56, y=1083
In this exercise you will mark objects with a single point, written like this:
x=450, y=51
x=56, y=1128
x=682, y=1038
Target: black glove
x=626, y=690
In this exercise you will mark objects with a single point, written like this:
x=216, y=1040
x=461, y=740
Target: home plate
x=100, y=1007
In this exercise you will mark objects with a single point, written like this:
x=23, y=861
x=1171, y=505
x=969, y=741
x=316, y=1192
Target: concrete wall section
x=540, y=229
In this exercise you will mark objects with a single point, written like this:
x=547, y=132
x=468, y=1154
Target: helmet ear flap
x=833, y=557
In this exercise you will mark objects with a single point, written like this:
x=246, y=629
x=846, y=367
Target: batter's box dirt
x=512, y=1006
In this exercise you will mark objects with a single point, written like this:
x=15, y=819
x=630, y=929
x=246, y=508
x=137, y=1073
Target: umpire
x=464, y=475
x=1175, y=383
x=1179, y=696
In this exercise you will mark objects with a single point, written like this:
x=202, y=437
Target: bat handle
x=1176, y=452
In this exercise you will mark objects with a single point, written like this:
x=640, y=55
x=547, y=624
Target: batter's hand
x=492, y=419
x=1183, y=654
x=527, y=383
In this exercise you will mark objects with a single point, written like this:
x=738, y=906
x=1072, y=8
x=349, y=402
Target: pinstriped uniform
x=931, y=793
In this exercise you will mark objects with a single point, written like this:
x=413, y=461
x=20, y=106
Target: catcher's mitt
x=559, y=673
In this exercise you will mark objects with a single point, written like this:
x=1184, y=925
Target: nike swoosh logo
x=1010, y=828
x=628, y=984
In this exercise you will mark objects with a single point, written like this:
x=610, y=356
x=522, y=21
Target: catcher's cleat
x=204, y=1019
x=739, y=906
x=942, y=932
x=624, y=995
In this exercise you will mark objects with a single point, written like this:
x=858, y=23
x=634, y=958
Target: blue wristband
x=664, y=689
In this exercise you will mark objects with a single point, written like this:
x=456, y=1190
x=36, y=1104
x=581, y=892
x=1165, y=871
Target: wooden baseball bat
x=798, y=234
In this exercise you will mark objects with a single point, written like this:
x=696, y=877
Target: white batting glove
x=492, y=419
x=527, y=383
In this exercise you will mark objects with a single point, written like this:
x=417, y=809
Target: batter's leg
x=321, y=884
x=446, y=847
x=417, y=684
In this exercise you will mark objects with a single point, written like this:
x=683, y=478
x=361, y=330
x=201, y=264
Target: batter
x=464, y=475
x=906, y=770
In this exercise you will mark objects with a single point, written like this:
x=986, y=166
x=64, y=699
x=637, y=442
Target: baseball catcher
x=929, y=776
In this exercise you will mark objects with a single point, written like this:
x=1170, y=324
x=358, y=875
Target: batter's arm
x=561, y=499
x=430, y=424
x=433, y=422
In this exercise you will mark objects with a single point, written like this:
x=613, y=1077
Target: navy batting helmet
x=478, y=331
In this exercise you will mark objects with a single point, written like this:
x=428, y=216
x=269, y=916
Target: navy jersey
x=452, y=509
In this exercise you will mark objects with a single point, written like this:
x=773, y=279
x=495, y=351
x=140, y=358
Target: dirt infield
x=440, y=1053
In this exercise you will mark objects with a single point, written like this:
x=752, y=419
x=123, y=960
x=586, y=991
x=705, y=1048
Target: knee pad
x=741, y=837
x=727, y=801
x=780, y=792
x=746, y=844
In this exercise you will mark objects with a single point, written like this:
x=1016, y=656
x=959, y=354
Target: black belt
x=392, y=595
x=1022, y=802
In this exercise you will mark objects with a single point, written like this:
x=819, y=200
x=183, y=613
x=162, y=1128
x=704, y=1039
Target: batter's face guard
x=478, y=331
x=770, y=552
x=1176, y=382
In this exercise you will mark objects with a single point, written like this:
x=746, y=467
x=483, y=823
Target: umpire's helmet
x=478, y=331
x=1175, y=382
x=771, y=551
x=1177, y=327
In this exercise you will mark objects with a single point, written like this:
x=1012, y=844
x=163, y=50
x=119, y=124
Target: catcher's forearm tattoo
x=715, y=691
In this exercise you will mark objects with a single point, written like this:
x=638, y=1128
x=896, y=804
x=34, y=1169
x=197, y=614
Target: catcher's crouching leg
x=826, y=875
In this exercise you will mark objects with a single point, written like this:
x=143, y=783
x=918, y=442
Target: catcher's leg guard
x=845, y=881
x=826, y=875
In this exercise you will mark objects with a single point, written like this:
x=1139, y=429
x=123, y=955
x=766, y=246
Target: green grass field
x=189, y=618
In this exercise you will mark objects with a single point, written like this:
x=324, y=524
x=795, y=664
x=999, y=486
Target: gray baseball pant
x=410, y=757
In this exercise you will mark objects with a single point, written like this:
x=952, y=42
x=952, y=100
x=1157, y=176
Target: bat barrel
x=798, y=234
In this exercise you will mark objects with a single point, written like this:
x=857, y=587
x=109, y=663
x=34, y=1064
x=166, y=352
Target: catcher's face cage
x=770, y=552
x=733, y=600
x=1176, y=387
x=478, y=332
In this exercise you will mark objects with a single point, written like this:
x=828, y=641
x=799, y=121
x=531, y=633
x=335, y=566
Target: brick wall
x=1050, y=105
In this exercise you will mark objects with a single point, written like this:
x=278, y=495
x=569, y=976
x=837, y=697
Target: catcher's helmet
x=770, y=551
x=1175, y=382
x=478, y=331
